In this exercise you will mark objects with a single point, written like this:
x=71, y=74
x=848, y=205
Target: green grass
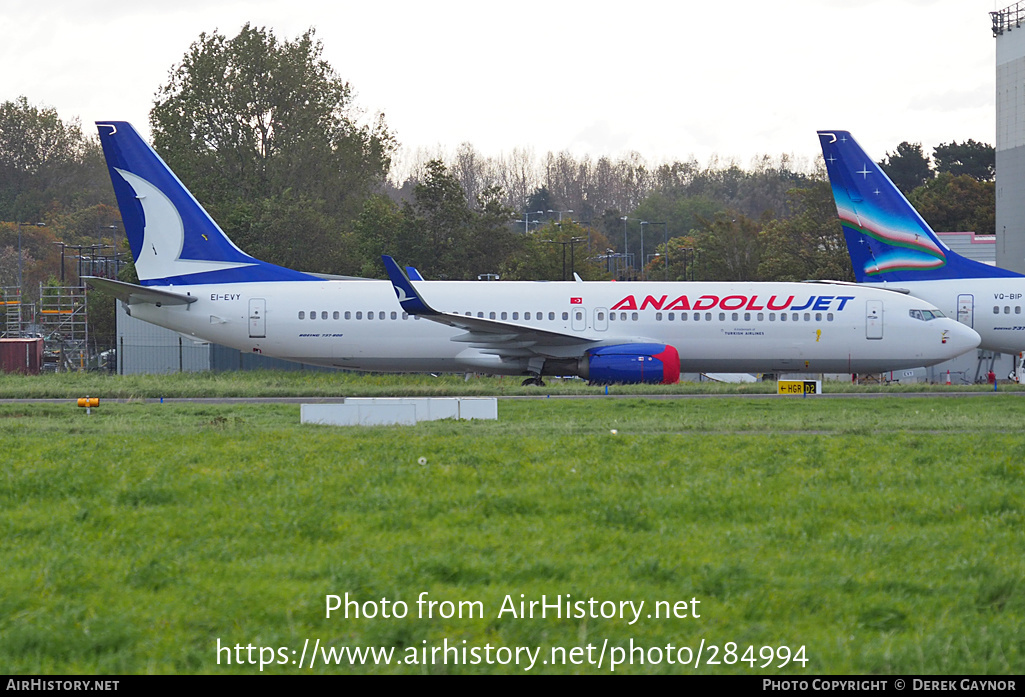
x=886, y=536
x=340, y=384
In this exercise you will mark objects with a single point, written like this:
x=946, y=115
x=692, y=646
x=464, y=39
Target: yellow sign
x=799, y=387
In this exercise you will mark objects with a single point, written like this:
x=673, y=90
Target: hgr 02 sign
x=799, y=387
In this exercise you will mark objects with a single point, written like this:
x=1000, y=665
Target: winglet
x=409, y=299
x=414, y=275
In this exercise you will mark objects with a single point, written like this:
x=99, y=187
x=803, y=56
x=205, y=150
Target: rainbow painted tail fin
x=886, y=237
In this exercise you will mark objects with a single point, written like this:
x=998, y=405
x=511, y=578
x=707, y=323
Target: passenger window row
x=323, y=315
x=599, y=316
x=707, y=316
x=527, y=316
x=1007, y=309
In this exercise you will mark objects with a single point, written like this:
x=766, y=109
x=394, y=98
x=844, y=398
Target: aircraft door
x=966, y=309
x=257, y=318
x=579, y=319
x=601, y=319
x=874, y=319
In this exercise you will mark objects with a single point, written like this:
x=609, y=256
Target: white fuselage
x=716, y=327
x=994, y=307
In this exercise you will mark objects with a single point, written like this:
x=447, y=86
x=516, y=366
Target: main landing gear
x=534, y=367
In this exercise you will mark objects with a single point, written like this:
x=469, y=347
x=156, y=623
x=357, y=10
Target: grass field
x=342, y=384
x=884, y=536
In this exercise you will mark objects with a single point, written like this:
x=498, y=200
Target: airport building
x=1009, y=32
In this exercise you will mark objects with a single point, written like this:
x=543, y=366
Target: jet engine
x=631, y=363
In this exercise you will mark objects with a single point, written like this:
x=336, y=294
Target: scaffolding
x=10, y=303
x=64, y=323
x=1009, y=18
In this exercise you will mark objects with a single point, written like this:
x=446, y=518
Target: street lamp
x=643, y=260
x=62, y=260
x=560, y=213
x=526, y=219
x=572, y=242
x=99, y=233
x=626, y=250
x=688, y=273
x=117, y=250
x=665, y=242
x=615, y=262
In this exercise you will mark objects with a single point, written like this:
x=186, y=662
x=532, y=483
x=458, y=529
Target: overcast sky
x=665, y=79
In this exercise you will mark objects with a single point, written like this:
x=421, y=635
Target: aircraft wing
x=491, y=336
x=132, y=294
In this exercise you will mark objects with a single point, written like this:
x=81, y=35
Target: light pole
x=644, y=262
x=572, y=242
x=117, y=250
x=665, y=245
x=62, y=261
x=665, y=242
x=572, y=253
x=626, y=250
x=688, y=274
x=99, y=244
x=560, y=213
x=526, y=219
x=99, y=233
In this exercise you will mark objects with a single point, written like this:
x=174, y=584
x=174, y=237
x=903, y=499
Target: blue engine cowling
x=632, y=363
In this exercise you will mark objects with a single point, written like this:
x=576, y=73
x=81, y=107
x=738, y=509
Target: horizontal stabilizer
x=134, y=295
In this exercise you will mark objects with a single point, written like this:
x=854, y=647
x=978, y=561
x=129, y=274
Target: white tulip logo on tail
x=164, y=236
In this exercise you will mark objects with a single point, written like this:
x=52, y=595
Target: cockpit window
x=925, y=315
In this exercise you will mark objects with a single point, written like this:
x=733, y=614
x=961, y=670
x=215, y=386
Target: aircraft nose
x=960, y=338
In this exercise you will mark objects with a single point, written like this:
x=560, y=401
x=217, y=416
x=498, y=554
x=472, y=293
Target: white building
x=1010, y=136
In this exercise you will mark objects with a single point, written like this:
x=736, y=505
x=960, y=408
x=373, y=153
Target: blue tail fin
x=174, y=241
x=886, y=237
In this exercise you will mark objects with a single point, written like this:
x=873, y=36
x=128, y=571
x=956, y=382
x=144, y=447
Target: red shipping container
x=21, y=356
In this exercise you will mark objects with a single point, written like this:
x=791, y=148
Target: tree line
x=270, y=139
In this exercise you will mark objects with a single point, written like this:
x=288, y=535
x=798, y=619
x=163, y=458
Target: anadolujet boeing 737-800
x=891, y=246
x=194, y=280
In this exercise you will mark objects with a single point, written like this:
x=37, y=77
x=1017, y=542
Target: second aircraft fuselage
x=994, y=307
